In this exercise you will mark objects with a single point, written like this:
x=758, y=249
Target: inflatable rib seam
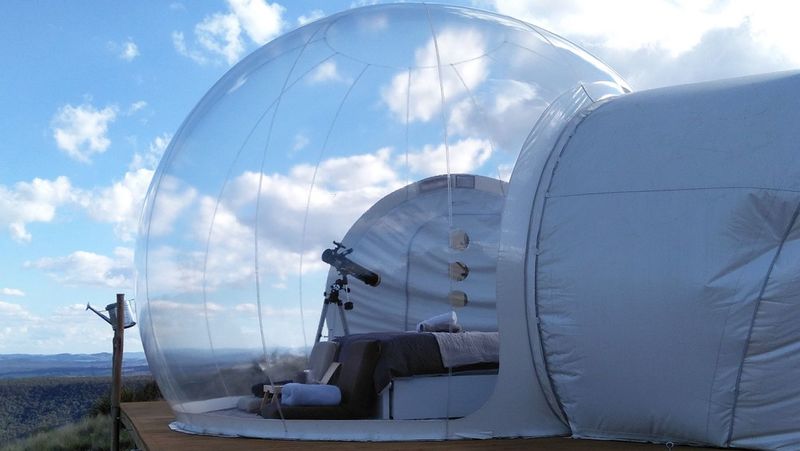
x=753, y=320
x=558, y=149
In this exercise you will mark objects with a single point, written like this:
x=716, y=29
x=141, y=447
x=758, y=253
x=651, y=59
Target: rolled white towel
x=446, y=322
x=310, y=395
x=249, y=403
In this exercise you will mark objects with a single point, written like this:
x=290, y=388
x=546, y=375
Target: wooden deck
x=148, y=424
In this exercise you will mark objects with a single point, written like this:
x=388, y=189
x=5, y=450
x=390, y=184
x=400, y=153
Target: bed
x=407, y=354
x=398, y=375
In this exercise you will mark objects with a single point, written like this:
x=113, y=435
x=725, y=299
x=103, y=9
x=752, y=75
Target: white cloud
x=326, y=71
x=14, y=312
x=246, y=308
x=15, y=322
x=671, y=42
x=334, y=196
x=676, y=26
x=120, y=203
x=283, y=200
x=286, y=210
x=312, y=16
x=227, y=34
x=300, y=142
x=220, y=257
x=232, y=325
x=360, y=3
x=425, y=97
x=261, y=20
x=82, y=268
x=179, y=42
x=173, y=271
x=198, y=309
x=335, y=203
x=722, y=53
x=81, y=130
x=230, y=244
x=129, y=50
x=174, y=198
x=220, y=35
x=500, y=113
x=136, y=107
x=466, y=156
x=504, y=172
x=370, y=169
x=155, y=150
x=230, y=258
x=64, y=328
x=19, y=232
x=12, y=292
x=773, y=25
x=126, y=51
x=35, y=201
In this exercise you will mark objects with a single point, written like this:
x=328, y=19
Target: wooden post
x=116, y=381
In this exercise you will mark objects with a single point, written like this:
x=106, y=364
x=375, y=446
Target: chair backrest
x=320, y=359
x=358, y=359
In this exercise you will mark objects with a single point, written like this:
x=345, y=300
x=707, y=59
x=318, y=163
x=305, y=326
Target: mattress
x=405, y=354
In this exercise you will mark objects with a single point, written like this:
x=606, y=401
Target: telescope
x=337, y=257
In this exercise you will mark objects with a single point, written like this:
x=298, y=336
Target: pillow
x=446, y=322
x=250, y=404
x=310, y=395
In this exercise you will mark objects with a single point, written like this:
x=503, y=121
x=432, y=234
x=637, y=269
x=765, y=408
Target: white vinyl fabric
x=661, y=263
x=404, y=238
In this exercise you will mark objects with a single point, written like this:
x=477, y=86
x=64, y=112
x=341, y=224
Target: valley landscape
x=44, y=392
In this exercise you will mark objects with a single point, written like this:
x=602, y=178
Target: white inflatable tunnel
x=650, y=250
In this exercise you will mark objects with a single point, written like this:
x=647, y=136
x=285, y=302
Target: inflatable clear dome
x=337, y=193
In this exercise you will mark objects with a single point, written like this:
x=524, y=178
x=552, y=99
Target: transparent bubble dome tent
x=390, y=129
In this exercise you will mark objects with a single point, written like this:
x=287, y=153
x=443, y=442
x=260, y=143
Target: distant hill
x=73, y=365
x=32, y=405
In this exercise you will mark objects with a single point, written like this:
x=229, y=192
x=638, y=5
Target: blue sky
x=92, y=92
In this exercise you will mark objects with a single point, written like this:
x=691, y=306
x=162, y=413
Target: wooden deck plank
x=149, y=422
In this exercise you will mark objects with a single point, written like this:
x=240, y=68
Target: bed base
x=426, y=397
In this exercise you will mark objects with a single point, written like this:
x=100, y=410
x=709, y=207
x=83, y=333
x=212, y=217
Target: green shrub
x=136, y=392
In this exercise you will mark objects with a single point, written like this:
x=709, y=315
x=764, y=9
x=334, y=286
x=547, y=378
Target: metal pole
x=116, y=382
x=322, y=316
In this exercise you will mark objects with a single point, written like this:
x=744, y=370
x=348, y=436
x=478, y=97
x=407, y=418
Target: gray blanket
x=467, y=348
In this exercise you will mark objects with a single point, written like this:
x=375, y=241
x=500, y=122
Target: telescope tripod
x=332, y=297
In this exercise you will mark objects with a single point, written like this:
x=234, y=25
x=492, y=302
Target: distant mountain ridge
x=69, y=365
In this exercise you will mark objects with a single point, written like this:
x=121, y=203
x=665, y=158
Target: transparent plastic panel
x=390, y=129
